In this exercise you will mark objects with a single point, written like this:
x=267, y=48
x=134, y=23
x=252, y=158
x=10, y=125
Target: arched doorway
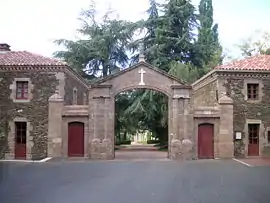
x=75, y=139
x=140, y=76
x=206, y=141
x=141, y=124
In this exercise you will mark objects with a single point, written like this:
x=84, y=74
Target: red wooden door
x=20, y=140
x=75, y=139
x=253, y=139
x=206, y=141
x=20, y=151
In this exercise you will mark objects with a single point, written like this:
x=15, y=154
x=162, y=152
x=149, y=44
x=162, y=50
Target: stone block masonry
x=34, y=111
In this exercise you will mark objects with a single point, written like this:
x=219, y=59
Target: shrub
x=153, y=141
x=126, y=142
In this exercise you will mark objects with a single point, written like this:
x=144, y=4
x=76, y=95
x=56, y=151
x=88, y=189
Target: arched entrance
x=75, y=139
x=206, y=141
x=142, y=75
x=141, y=124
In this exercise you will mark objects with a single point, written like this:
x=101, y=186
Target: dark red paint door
x=206, y=141
x=75, y=139
x=20, y=151
x=253, y=139
x=20, y=140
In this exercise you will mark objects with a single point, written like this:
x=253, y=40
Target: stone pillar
x=175, y=145
x=95, y=144
x=225, y=137
x=108, y=141
x=188, y=131
x=101, y=122
x=55, y=125
x=182, y=125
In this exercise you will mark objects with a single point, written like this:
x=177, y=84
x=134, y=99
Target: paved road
x=208, y=181
x=141, y=154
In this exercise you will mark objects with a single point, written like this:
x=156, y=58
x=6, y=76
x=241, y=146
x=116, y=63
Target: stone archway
x=142, y=75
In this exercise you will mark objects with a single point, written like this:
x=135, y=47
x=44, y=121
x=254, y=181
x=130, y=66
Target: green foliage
x=170, y=43
x=257, y=43
x=186, y=72
x=207, y=50
x=175, y=34
x=123, y=142
x=142, y=110
x=104, y=48
x=153, y=142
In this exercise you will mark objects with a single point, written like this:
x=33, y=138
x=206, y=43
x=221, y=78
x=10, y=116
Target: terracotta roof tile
x=22, y=58
x=259, y=62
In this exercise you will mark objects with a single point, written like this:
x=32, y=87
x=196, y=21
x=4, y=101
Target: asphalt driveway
x=156, y=181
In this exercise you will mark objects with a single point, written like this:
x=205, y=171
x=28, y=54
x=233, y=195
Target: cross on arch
x=142, y=72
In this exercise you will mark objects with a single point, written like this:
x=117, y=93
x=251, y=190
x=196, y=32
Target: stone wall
x=35, y=111
x=246, y=111
x=205, y=94
x=82, y=92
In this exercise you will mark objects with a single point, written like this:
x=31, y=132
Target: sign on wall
x=238, y=135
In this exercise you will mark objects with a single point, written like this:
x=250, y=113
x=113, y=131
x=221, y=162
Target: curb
x=26, y=161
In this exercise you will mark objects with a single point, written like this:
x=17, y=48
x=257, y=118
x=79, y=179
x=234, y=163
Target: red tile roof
x=22, y=58
x=259, y=62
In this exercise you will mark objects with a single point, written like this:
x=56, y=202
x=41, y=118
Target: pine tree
x=177, y=33
x=151, y=26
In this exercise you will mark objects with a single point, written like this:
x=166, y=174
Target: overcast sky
x=32, y=25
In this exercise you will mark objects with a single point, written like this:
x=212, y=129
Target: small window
x=20, y=130
x=253, y=91
x=268, y=137
x=75, y=97
x=21, y=90
x=253, y=133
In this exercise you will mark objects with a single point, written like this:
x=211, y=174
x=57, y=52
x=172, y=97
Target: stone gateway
x=48, y=110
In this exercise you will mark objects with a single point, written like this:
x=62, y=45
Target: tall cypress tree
x=208, y=46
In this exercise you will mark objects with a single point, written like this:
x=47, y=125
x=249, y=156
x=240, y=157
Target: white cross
x=142, y=72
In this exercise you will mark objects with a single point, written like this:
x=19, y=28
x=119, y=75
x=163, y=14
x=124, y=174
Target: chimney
x=4, y=47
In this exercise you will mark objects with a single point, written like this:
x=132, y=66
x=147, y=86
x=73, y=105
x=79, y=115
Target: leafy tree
x=168, y=38
x=257, y=43
x=104, y=47
x=185, y=72
x=125, y=123
x=169, y=43
x=148, y=28
x=150, y=109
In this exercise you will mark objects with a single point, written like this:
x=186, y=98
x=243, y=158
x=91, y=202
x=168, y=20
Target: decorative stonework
x=187, y=149
x=13, y=87
x=142, y=72
x=142, y=75
x=176, y=149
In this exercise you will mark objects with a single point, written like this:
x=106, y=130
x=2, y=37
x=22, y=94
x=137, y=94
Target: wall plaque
x=238, y=136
